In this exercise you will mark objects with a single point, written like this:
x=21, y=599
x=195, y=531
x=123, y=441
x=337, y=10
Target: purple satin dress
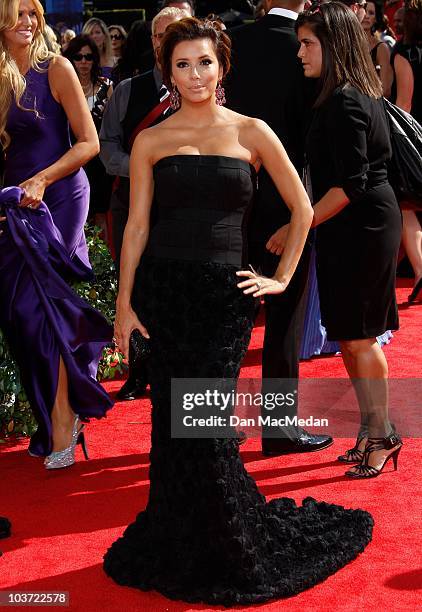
x=40, y=251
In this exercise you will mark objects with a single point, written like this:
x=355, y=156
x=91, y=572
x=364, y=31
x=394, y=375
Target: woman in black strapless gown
x=207, y=534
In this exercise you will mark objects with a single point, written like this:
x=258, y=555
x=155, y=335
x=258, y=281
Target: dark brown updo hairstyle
x=345, y=51
x=191, y=28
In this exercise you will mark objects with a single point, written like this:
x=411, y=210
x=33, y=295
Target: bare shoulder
x=401, y=62
x=60, y=67
x=254, y=130
x=254, y=125
x=146, y=142
x=63, y=80
x=164, y=135
x=383, y=49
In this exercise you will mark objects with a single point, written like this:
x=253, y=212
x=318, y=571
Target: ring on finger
x=258, y=285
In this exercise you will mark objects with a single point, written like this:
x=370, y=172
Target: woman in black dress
x=357, y=215
x=207, y=533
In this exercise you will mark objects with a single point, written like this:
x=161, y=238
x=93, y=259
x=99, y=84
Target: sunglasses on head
x=116, y=36
x=80, y=56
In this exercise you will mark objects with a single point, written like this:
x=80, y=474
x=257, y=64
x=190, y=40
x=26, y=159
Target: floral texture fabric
x=207, y=534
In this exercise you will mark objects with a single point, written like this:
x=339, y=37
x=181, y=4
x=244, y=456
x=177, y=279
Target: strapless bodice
x=201, y=205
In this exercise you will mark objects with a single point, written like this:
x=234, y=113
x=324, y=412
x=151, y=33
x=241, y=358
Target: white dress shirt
x=284, y=13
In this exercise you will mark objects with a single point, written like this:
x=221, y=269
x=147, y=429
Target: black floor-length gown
x=207, y=534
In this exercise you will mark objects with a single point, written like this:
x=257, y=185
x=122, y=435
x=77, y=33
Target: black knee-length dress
x=207, y=534
x=348, y=146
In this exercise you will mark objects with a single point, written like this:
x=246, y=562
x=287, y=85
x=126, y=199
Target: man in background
x=267, y=82
x=398, y=23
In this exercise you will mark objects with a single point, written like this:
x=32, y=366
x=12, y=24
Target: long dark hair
x=345, y=51
x=74, y=47
x=135, y=51
x=191, y=28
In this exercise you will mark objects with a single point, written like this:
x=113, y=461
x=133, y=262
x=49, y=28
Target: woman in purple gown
x=56, y=338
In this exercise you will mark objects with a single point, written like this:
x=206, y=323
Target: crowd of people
x=226, y=159
x=393, y=33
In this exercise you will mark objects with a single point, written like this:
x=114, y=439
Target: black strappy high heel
x=364, y=470
x=355, y=455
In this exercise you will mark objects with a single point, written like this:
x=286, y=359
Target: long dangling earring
x=220, y=94
x=174, y=98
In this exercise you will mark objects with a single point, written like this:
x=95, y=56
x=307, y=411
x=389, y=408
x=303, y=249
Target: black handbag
x=405, y=167
x=139, y=347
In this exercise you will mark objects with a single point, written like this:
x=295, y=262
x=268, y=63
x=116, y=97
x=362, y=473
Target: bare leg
x=62, y=415
x=367, y=361
x=361, y=389
x=355, y=454
x=412, y=241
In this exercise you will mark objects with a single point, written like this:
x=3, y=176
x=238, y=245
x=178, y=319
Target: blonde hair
x=90, y=25
x=51, y=40
x=171, y=12
x=12, y=82
x=68, y=35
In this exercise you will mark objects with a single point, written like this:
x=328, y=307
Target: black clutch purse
x=139, y=347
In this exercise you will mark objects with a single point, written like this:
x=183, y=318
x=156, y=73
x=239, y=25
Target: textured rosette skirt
x=207, y=534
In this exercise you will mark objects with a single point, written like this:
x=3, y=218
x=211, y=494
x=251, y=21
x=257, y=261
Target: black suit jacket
x=267, y=82
x=144, y=96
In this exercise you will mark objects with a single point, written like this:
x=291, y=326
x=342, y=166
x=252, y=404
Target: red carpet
x=64, y=521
